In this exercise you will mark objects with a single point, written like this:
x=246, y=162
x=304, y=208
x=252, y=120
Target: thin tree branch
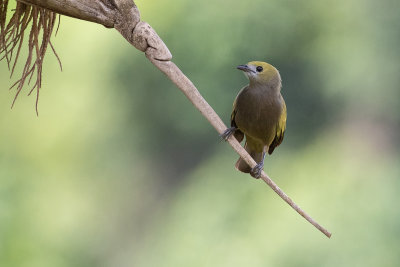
x=124, y=16
x=191, y=92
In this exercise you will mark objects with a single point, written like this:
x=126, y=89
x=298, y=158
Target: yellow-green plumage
x=259, y=113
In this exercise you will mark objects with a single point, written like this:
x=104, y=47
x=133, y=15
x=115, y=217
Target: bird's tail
x=242, y=166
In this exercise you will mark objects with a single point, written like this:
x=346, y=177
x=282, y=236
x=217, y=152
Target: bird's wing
x=280, y=131
x=233, y=114
x=238, y=134
x=234, y=109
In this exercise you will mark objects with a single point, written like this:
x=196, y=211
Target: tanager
x=259, y=113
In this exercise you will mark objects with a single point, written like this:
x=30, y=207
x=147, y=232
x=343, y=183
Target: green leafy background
x=119, y=169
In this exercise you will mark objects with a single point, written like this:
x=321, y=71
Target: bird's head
x=260, y=72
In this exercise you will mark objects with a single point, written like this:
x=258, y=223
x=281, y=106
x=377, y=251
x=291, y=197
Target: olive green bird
x=259, y=113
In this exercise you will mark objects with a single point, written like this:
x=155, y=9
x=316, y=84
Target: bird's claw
x=228, y=132
x=256, y=171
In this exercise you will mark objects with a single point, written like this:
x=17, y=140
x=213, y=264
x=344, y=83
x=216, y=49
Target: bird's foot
x=256, y=171
x=228, y=132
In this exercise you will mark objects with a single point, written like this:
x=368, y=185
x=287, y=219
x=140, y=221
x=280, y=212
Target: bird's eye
x=259, y=68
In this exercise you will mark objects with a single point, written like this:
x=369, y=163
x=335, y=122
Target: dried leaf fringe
x=12, y=34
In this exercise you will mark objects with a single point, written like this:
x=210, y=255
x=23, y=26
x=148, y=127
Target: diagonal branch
x=124, y=16
x=191, y=92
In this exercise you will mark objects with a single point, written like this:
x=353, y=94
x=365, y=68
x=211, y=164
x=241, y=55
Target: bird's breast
x=257, y=113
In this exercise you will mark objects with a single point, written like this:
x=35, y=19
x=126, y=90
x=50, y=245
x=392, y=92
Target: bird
x=259, y=114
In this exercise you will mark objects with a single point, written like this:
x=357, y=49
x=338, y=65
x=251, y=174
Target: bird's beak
x=245, y=68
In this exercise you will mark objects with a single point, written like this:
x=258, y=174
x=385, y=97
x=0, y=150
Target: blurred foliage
x=119, y=169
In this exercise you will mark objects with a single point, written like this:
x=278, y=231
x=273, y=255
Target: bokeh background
x=119, y=169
